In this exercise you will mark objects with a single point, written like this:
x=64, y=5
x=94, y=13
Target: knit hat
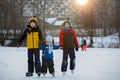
x=68, y=23
x=33, y=18
x=49, y=38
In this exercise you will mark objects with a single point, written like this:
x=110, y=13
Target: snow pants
x=48, y=64
x=34, y=60
x=71, y=53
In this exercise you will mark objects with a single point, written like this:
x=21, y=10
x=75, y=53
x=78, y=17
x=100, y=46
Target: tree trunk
x=119, y=39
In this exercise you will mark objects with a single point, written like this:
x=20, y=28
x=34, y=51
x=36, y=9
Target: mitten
x=28, y=26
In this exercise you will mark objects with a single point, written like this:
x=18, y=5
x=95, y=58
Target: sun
x=82, y=2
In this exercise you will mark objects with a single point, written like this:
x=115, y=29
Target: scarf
x=66, y=28
x=50, y=48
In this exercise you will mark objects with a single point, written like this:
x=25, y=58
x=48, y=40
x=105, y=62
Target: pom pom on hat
x=49, y=38
x=33, y=18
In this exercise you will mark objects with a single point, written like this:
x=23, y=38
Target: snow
x=112, y=40
x=99, y=42
x=7, y=42
x=50, y=20
x=60, y=22
x=94, y=64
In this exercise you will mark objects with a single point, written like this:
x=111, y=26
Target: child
x=33, y=35
x=47, y=56
x=83, y=46
x=68, y=41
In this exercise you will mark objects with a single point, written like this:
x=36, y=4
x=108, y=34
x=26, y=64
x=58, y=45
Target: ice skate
x=72, y=71
x=53, y=74
x=43, y=74
x=39, y=73
x=28, y=74
x=63, y=73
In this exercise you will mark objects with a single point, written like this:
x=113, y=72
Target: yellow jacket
x=33, y=35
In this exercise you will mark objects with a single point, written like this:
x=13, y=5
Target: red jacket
x=61, y=36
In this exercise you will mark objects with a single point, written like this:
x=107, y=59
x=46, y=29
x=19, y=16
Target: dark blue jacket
x=48, y=50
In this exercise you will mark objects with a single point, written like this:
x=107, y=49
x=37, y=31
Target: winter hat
x=49, y=38
x=68, y=23
x=33, y=18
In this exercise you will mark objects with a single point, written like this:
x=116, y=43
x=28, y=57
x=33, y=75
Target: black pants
x=47, y=64
x=34, y=60
x=71, y=54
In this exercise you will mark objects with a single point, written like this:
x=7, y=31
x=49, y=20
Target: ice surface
x=94, y=64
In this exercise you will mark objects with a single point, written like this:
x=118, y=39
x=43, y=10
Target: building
x=47, y=8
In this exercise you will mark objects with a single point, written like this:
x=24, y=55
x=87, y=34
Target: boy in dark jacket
x=47, y=56
x=68, y=41
x=33, y=35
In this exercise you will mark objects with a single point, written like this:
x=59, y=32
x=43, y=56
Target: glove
x=28, y=26
x=76, y=48
x=61, y=47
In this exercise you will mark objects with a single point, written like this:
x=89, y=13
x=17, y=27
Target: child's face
x=48, y=42
x=32, y=24
x=67, y=24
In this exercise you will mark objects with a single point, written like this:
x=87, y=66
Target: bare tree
x=3, y=19
x=117, y=19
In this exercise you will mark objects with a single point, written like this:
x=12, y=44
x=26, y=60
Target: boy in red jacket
x=68, y=41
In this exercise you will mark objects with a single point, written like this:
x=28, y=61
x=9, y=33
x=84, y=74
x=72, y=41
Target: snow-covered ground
x=94, y=64
x=111, y=41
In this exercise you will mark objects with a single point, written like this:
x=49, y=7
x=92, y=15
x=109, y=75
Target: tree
x=11, y=18
x=89, y=22
x=16, y=16
x=3, y=19
x=117, y=19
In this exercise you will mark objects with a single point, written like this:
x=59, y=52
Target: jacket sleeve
x=42, y=46
x=75, y=38
x=61, y=38
x=56, y=47
x=40, y=35
x=24, y=35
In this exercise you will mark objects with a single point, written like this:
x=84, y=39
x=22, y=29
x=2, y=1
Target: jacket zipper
x=33, y=39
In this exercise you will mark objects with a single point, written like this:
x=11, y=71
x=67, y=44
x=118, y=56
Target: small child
x=47, y=55
x=83, y=46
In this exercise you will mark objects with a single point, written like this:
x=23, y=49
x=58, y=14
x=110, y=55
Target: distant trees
x=11, y=19
x=3, y=20
x=117, y=17
x=98, y=18
x=42, y=7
